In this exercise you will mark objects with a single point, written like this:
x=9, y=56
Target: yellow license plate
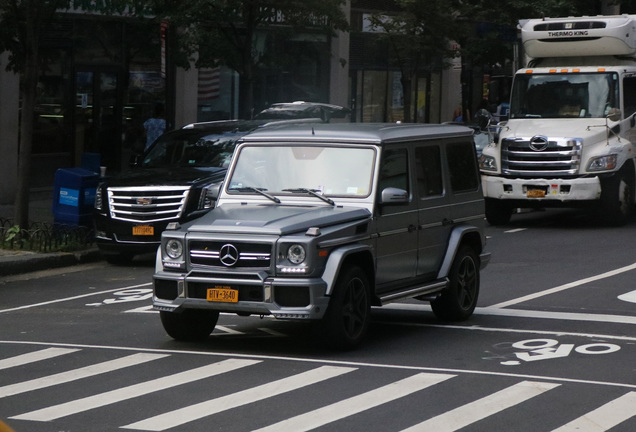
x=536, y=193
x=223, y=294
x=144, y=230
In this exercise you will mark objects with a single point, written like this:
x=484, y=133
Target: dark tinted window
x=463, y=166
x=428, y=171
x=394, y=170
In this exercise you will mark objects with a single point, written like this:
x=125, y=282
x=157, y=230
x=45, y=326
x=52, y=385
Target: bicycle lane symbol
x=548, y=349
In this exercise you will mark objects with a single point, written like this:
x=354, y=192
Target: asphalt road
x=551, y=347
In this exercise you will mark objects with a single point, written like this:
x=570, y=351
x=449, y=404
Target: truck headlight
x=603, y=163
x=296, y=254
x=487, y=163
x=174, y=248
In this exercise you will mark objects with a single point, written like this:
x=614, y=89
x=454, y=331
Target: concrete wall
x=9, y=109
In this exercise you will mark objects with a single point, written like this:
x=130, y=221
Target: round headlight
x=296, y=254
x=174, y=248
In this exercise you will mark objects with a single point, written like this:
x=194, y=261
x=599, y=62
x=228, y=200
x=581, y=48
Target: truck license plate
x=536, y=193
x=223, y=294
x=146, y=230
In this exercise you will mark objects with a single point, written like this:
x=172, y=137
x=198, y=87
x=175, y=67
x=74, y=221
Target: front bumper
x=113, y=236
x=284, y=298
x=554, y=190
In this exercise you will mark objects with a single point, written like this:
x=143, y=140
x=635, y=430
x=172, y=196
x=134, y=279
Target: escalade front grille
x=230, y=254
x=540, y=156
x=147, y=203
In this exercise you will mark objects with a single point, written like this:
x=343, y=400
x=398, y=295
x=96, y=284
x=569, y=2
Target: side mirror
x=393, y=195
x=614, y=114
x=135, y=160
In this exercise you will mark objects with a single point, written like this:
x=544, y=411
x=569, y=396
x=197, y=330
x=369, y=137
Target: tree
x=419, y=34
x=226, y=32
x=22, y=23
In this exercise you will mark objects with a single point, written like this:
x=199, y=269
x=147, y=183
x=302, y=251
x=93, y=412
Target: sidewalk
x=14, y=262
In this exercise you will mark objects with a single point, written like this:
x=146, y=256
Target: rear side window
x=463, y=167
x=428, y=171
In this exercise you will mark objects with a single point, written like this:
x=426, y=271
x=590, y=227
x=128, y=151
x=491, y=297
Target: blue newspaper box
x=74, y=196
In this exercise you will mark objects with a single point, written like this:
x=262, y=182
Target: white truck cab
x=570, y=134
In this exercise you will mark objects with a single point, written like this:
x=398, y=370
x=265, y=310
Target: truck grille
x=147, y=203
x=540, y=156
x=230, y=254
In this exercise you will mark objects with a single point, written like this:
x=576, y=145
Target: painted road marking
x=124, y=393
x=356, y=404
x=629, y=297
x=482, y=408
x=44, y=354
x=207, y=408
x=564, y=287
x=605, y=417
x=75, y=374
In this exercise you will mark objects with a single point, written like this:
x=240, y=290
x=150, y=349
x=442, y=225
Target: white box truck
x=569, y=138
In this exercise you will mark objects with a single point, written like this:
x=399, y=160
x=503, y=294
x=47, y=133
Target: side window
x=428, y=169
x=394, y=170
x=462, y=166
x=629, y=96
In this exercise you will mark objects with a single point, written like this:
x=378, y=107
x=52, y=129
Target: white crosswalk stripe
x=107, y=398
x=34, y=357
x=356, y=404
x=605, y=417
x=482, y=408
x=76, y=374
x=207, y=408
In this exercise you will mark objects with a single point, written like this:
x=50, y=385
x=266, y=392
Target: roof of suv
x=357, y=132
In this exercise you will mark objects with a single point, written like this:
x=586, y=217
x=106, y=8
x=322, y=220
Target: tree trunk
x=28, y=91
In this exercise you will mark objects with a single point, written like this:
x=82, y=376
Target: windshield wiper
x=257, y=190
x=313, y=192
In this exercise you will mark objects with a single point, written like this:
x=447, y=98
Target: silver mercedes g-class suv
x=322, y=221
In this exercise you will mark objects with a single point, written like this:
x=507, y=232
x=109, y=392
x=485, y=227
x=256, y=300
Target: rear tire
x=189, y=325
x=497, y=212
x=347, y=318
x=458, y=301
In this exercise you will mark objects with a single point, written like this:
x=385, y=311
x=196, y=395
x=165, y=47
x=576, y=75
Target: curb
x=26, y=262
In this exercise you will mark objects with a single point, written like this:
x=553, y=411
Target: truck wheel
x=617, y=197
x=497, y=212
x=457, y=302
x=347, y=318
x=189, y=325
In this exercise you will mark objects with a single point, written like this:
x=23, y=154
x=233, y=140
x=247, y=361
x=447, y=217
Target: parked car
x=320, y=222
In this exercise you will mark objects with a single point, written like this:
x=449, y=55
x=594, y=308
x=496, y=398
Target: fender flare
x=454, y=242
x=335, y=260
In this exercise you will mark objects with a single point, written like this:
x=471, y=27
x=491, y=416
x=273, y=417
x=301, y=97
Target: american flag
x=209, y=79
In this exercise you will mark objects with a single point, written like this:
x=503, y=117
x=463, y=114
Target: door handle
x=446, y=222
x=411, y=228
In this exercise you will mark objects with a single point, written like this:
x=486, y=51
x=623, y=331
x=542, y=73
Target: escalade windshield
x=562, y=95
x=329, y=170
x=192, y=148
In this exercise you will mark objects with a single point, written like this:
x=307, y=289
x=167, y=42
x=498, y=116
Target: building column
x=9, y=127
x=186, y=99
x=339, y=75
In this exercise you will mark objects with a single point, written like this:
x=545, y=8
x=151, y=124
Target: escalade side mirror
x=392, y=195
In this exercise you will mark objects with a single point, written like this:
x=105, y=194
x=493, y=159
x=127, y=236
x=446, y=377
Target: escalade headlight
x=487, y=163
x=174, y=248
x=99, y=201
x=603, y=163
x=296, y=254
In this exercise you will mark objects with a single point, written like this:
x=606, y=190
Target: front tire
x=458, y=301
x=347, y=318
x=189, y=325
x=617, y=197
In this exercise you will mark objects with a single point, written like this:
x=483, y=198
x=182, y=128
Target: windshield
x=564, y=95
x=334, y=171
x=192, y=148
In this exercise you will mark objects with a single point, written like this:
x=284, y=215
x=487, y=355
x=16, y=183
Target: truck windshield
x=328, y=170
x=564, y=95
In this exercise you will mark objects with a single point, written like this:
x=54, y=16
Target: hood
x=168, y=176
x=274, y=219
x=555, y=128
